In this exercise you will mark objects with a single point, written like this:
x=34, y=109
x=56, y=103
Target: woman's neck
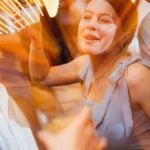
x=103, y=65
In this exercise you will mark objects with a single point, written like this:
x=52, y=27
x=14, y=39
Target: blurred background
x=21, y=19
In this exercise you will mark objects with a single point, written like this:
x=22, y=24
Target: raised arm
x=41, y=71
x=38, y=63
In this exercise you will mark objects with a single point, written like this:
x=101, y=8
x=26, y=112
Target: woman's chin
x=94, y=51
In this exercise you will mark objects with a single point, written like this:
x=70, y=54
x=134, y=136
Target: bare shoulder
x=80, y=61
x=138, y=80
x=138, y=72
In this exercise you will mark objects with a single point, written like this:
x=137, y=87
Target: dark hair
x=127, y=12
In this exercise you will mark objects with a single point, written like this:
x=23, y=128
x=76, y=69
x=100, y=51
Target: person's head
x=103, y=24
x=144, y=37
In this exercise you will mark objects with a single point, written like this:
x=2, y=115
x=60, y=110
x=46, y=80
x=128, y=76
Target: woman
x=119, y=99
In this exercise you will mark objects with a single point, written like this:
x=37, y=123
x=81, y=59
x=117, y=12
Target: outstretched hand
x=33, y=32
x=79, y=135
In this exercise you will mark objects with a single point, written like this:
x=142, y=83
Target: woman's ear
x=126, y=38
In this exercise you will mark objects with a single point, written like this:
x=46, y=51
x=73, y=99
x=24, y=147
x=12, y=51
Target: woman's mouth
x=91, y=37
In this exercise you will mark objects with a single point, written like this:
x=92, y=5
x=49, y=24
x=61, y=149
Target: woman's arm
x=41, y=71
x=38, y=63
x=139, y=86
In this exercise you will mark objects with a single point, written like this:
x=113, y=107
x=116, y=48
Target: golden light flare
x=4, y=7
x=25, y=11
x=51, y=7
x=7, y=27
x=34, y=12
x=133, y=1
x=18, y=15
x=4, y=30
x=10, y=22
x=38, y=5
x=11, y=13
x=40, y=2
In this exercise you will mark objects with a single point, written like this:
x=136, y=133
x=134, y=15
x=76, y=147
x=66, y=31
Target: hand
x=32, y=32
x=79, y=135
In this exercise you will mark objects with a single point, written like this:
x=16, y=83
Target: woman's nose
x=92, y=24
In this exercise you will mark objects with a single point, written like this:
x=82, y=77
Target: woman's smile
x=97, y=28
x=90, y=37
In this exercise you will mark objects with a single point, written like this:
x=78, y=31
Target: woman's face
x=97, y=28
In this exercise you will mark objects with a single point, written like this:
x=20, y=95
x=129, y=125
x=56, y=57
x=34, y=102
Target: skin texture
x=96, y=36
x=77, y=134
x=97, y=28
x=138, y=80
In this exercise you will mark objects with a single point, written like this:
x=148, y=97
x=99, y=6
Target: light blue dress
x=124, y=127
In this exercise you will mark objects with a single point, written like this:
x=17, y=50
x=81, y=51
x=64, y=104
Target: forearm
x=38, y=63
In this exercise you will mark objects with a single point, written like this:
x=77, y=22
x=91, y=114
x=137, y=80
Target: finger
x=102, y=144
x=44, y=138
x=84, y=117
x=93, y=140
x=87, y=137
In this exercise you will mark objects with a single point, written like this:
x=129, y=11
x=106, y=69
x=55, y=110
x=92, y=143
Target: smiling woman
x=105, y=31
x=97, y=28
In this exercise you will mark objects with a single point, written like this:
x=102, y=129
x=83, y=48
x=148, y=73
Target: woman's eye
x=86, y=17
x=105, y=20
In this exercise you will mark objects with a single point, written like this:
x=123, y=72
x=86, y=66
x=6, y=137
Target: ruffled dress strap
x=117, y=81
x=145, y=62
x=86, y=76
x=118, y=77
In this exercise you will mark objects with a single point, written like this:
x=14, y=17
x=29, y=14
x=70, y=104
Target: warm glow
x=3, y=30
x=18, y=14
x=51, y=7
x=4, y=7
x=10, y=13
x=16, y=9
x=34, y=12
x=38, y=7
x=22, y=7
x=7, y=20
x=133, y=1
x=2, y=24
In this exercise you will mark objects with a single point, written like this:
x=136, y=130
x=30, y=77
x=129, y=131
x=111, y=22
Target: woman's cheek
x=112, y=30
